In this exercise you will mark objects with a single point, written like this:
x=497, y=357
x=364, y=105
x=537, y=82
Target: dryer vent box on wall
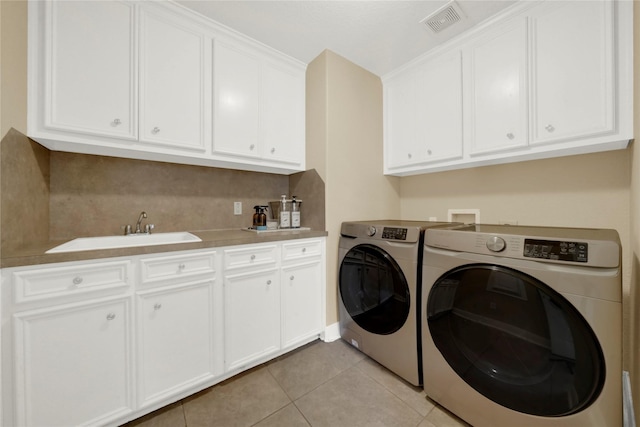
x=465, y=216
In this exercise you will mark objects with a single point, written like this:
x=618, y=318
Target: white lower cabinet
x=102, y=342
x=251, y=317
x=73, y=364
x=175, y=339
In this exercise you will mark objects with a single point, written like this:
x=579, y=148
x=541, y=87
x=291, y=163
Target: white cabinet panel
x=172, y=82
x=252, y=317
x=283, y=114
x=301, y=302
x=73, y=364
x=423, y=113
x=498, y=92
x=573, y=70
x=90, y=68
x=236, y=101
x=175, y=339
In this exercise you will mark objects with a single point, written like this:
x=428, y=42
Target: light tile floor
x=320, y=384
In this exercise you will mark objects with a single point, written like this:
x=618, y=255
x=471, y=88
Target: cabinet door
x=301, y=302
x=401, y=146
x=175, y=339
x=498, y=92
x=439, y=108
x=73, y=364
x=90, y=83
x=252, y=317
x=172, y=89
x=573, y=78
x=236, y=96
x=283, y=110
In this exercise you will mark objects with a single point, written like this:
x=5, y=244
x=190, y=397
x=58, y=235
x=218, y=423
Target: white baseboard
x=331, y=332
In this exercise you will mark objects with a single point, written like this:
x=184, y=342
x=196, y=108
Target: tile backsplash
x=96, y=195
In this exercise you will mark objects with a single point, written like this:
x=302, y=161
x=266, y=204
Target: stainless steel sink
x=112, y=242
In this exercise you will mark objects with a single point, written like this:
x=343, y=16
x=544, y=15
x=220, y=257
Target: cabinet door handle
x=273, y=150
x=77, y=280
x=510, y=135
x=252, y=146
x=304, y=250
x=155, y=130
x=181, y=267
x=111, y=316
x=116, y=122
x=291, y=278
x=409, y=155
x=268, y=282
x=549, y=128
x=429, y=152
x=157, y=306
x=253, y=257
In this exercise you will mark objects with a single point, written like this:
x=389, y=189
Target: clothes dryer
x=522, y=326
x=379, y=285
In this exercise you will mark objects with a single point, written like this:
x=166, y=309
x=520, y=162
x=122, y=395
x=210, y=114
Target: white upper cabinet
x=497, y=95
x=172, y=82
x=573, y=71
x=542, y=79
x=136, y=80
x=88, y=83
x=258, y=106
x=423, y=113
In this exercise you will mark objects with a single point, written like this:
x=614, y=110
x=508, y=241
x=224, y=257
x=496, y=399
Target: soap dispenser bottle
x=285, y=215
x=295, y=212
x=259, y=218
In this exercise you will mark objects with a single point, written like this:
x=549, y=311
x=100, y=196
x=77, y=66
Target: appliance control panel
x=394, y=233
x=556, y=250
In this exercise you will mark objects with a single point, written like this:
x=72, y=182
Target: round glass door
x=515, y=340
x=374, y=290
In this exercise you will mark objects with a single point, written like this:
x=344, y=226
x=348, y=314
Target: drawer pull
x=268, y=282
x=77, y=280
x=291, y=278
x=304, y=250
x=157, y=306
x=181, y=267
x=253, y=257
x=111, y=316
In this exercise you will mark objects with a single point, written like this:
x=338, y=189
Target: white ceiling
x=378, y=35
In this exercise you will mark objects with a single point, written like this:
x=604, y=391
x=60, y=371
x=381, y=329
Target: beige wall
x=13, y=65
x=344, y=139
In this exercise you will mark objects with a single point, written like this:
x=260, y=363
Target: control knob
x=496, y=244
x=371, y=230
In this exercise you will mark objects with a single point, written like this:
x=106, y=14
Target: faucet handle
x=148, y=228
x=127, y=229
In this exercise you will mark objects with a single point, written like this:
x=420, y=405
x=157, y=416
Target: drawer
x=301, y=249
x=44, y=283
x=250, y=256
x=158, y=269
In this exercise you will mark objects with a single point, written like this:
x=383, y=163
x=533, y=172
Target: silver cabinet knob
x=155, y=130
x=181, y=267
x=157, y=306
x=304, y=250
x=111, y=316
x=252, y=146
x=116, y=122
x=292, y=277
x=268, y=282
x=253, y=257
x=273, y=150
x=510, y=135
x=409, y=155
x=549, y=128
x=77, y=280
x=429, y=152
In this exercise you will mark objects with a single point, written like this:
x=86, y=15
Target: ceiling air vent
x=444, y=17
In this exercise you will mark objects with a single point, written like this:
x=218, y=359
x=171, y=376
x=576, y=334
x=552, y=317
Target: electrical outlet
x=237, y=208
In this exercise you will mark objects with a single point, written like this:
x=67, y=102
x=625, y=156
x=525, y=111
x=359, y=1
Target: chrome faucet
x=143, y=214
x=138, y=230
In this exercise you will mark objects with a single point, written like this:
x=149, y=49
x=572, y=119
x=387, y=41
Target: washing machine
x=379, y=289
x=522, y=326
